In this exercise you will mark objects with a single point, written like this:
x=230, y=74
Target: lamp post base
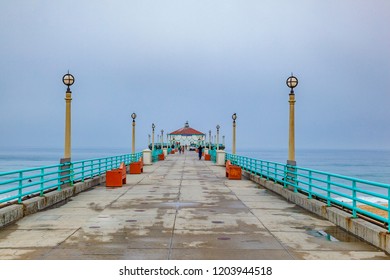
x=65, y=174
x=291, y=162
x=291, y=175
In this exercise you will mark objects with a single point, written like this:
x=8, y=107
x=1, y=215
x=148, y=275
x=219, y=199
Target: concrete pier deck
x=180, y=208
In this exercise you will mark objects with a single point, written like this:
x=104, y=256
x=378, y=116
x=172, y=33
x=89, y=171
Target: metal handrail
x=213, y=155
x=155, y=154
x=20, y=184
x=344, y=191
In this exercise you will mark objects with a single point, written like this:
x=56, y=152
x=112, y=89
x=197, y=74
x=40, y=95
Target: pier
x=181, y=208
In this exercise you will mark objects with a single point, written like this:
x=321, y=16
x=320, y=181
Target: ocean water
x=12, y=159
x=371, y=165
x=21, y=158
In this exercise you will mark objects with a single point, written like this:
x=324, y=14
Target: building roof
x=186, y=131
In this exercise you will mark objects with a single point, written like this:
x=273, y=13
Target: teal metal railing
x=213, y=155
x=354, y=194
x=155, y=154
x=20, y=184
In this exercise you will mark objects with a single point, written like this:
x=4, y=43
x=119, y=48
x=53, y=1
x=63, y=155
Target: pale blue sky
x=201, y=61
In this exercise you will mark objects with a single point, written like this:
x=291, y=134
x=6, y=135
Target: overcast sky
x=198, y=61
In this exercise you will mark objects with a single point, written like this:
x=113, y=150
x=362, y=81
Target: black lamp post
x=162, y=139
x=218, y=127
x=68, y=80
x=234, y=117
x=291, y=82
x=133, y=116
x=153, y=127
x=209, y=139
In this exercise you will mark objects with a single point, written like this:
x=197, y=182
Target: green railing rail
x=24, y=183
x=155, y=154
x=343, y=191
x=213, y=155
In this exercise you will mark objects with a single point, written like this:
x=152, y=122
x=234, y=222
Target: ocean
x=371, y=165
x=21, y=158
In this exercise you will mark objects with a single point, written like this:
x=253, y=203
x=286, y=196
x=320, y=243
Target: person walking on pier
x=200, y=149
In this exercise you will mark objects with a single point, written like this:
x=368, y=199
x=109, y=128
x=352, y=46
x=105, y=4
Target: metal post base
x=290, y=174
x=65, y=175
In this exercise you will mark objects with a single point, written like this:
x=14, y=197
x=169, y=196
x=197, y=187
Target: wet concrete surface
x=180, y=208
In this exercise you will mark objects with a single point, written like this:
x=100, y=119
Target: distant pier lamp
x=133, y=116
x=234, y=117
x=149, y=140
x=153, y=127
x=218, y=127
x=291, y=82
x=209, y=139
x=68, y=80
x=162, y=139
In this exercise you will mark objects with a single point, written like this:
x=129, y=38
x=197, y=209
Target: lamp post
x=234, y=117
x=153, y=126
x=68, y=80
x=209, y=139
x=133, y=115
x=149, y=140
x=218, y=127
x=291, y=82
x=162, y=139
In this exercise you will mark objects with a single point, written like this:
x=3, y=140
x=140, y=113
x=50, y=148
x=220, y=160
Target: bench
x=233, y=172
x=116, y=177
x=137, y=167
